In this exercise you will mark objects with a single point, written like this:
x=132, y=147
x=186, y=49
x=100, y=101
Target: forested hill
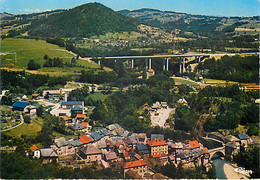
x=82, y=21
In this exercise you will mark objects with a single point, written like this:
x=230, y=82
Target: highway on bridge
x=172, y=55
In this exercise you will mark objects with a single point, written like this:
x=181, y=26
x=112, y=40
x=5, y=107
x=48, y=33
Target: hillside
x=199, y=25
x=82, y=21
x=29, y=49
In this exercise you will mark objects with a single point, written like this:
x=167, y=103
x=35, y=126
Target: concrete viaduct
x=182, y=59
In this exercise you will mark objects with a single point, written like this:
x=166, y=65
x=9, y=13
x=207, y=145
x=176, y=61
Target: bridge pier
x=132, y=63
x=98, y=62
x=150, y=63
x=183, y=68
x=180, y=64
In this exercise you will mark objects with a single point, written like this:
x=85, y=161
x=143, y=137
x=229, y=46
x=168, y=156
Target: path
x=22, y=121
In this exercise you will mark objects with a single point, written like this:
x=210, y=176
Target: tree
x=27, y=119
x=39, y=111
x=33, y=65
x=46, y=57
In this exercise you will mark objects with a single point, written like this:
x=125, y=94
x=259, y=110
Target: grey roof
x=141, y=147
x=110, y=156
x=145, y=151
x=96, y=136
x=101, y=143
x=111, y=127
x=115, y=139
x=77, y=127
x=103, y=132
x=48, y=152
x=90, y=149
x=74, y=142
x=156, y=136
x=131, y=140
x=61, y=141
x=119, y=131
x=125, y=133
x=243, y=136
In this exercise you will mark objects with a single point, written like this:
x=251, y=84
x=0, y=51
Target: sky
x=204, y=7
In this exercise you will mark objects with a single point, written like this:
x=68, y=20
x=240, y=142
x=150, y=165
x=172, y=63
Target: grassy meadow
x=27, y=129
x=30, y=49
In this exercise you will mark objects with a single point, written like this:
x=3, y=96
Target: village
x=113, y=146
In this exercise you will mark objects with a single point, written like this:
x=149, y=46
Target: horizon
x=231, y=8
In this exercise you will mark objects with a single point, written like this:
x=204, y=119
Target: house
x=157, y=136
x=84, y=139
x=245, y=140
x=142, y=148
x=90, y=153
x=20, y=105
x=131, y=174
x=70, y=104
x=103, y=132
x=150, y=73
x=75, y=110
x=158, y=147
x=64, y=147
x=33, y=148
x=45, y=153
x=77, y=127
x=139, y=166
x=81, y=117
x=111, y=156
x=95, y=135
x=232, y=148
x=126, y=155
x=194, y=144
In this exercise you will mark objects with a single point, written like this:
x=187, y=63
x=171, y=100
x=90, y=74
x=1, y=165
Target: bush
x=33, y=65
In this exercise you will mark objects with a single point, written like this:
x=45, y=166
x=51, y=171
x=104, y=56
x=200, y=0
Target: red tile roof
x=134, y=164
x=159, y=155
x=126, y=154
x=34, y=147
x=194, y=144
x=206, y=150
x=117, y=143
x=84, y=139
x=84, y=124
x=81, y=115
x=157, y=142
x=64, y=118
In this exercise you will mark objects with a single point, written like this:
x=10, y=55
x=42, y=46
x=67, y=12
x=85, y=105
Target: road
x=22, y=121
x=172, y=55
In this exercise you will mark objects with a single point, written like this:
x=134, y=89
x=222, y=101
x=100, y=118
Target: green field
x=27, y=129
x=30, y=49
x=98, y=96
x=185, y=81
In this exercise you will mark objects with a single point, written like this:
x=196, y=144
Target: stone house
x=158, y=147
x=139, y=166
x=90, y=153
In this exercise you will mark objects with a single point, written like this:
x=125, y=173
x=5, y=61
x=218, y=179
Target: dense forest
x=82, y=21
x=233, y=68
x=18, y=166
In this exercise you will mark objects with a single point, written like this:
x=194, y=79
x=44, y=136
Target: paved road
x=22, y=121
x=171, y=55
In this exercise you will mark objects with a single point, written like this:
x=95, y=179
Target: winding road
x=22, y=121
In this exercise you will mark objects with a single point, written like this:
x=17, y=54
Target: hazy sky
x=205, y=7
